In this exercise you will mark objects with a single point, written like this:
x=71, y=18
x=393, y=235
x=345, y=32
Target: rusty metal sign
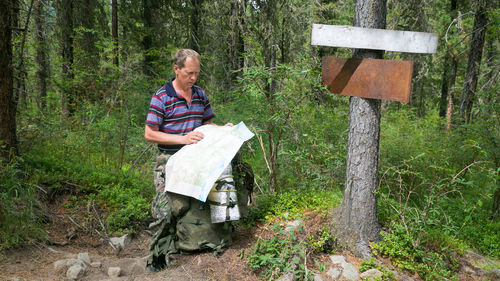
x=368, y=78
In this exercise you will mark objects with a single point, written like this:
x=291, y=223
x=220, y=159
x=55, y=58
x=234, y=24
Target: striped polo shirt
x=172, y=114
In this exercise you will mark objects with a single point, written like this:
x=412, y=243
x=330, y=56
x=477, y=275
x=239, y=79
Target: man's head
x=186, y=68
x=182, y=54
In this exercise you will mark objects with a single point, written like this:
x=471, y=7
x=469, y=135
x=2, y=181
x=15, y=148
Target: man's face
x=187, y=75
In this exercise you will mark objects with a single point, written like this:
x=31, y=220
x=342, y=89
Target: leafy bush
x=293, y=203
x=387, y=274
x=281, y=254
x=437, y=187
x=428, y=264
x=20, y=222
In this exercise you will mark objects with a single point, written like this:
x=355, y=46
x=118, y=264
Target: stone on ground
x=121, y=242
x=84, y=257
x=66, y=263
x=371, y=274
x=114, y=271
x=349, y=272
x=75, y=271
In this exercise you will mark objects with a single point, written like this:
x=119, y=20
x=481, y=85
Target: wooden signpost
x=371, y=78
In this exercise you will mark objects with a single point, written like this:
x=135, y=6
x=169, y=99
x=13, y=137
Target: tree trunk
x=42, y=52
x=446, y=76
x=114, y=27
x=237, y=19
x=85, y=15
x=451, y=90
x=8, y=140
x=65, y=22
x=195, y=23
x=356, y=222
x=474, y=63
x=147, y=42
x=21, y=86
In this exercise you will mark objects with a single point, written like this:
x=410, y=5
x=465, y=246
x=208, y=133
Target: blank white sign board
x=375, y=39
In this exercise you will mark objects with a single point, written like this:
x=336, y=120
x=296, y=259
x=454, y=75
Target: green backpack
x=194, y=228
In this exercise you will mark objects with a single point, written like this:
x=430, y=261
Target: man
x=175, y=111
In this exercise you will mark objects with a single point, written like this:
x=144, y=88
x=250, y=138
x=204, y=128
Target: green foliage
x=90, y=163
x=280, y=254
x=438, y=182
x=428, y=264
x=294, y=203
x=387, y=274
x=20, y=223
x=324, y=243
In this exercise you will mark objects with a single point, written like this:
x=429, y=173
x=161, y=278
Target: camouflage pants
x=170, y=209
x=163, y=241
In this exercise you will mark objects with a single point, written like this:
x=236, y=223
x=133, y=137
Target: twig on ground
x=74, y=222
x=105, y=235
x=187, y=273
x=41, y=188
x=73, y=184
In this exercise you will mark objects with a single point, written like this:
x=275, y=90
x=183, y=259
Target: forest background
x=84, y=72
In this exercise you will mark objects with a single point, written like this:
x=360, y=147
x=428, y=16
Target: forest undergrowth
x=435, y=193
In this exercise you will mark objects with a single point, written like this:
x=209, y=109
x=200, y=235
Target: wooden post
x=355, y=221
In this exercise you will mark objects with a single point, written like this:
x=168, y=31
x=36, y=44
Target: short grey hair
x=182, y=54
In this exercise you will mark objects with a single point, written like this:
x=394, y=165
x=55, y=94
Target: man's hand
x=229, y=124
x=193, y=137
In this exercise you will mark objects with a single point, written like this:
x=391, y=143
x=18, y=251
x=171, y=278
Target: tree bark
x=21, y=86
x=147, y=42
x=114, y=27
x=195, y=23
x=85, y=17
x=474, y=63
x=8, y=139
x=237, y=19
x=65, y=23
x=42, y=52
x=446, y=74
x=355, y=221
x=451, y=90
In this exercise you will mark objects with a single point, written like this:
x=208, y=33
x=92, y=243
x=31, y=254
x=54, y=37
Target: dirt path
x=68, y=238
x=37, y=262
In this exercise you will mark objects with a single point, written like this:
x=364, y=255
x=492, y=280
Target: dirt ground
x=66, y=240
x=68, y=236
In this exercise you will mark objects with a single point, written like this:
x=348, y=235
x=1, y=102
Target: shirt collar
x=169, y=88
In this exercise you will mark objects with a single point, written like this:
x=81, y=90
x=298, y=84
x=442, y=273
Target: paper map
x=193, y=170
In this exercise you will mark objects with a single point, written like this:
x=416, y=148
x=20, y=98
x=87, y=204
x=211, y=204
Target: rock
x=493, y=274
x=84, y=257
x=14, y=279
x=138, y=268
x=121, y=242
x=75, y=271
x=96, y=264
x=371, y=274
x=66, y=263
x=337, y=259
x=318, y=277
x=350, y=272
x=114, y=271
x=334, y=273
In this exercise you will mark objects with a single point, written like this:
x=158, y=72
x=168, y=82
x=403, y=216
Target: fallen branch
x=104, y=236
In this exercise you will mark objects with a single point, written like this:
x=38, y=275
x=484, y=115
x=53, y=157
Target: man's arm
x=153, y=134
